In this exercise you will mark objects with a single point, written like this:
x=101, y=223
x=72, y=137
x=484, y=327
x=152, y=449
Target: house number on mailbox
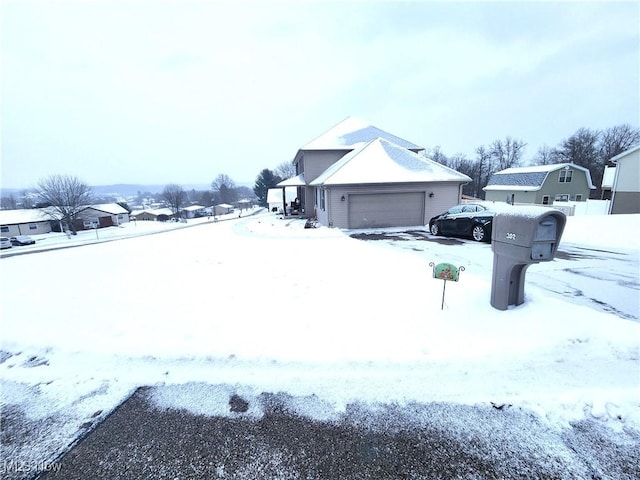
x=511, y=236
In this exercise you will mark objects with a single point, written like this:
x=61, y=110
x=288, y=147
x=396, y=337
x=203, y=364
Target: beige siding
x=629, y=175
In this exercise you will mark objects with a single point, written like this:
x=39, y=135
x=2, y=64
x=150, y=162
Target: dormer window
x=565, y=176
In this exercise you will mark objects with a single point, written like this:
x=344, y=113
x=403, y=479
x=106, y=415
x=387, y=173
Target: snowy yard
x=264, y=305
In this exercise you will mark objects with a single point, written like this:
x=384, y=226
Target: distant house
x=155, y=214
x=621, y=182
x=356, y=175
x=193, y=211
x=222, y=209
x=101, y=215
x=32, y=221
x=540, y=184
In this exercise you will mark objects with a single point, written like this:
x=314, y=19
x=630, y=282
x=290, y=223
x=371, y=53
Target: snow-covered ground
x=264, y=305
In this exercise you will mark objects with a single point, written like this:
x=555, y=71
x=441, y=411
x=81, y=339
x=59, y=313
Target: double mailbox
x=519, y=238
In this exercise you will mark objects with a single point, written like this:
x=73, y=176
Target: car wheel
x=434, y=229
x=479, y=233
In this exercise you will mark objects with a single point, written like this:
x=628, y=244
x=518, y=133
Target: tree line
x=591, y=149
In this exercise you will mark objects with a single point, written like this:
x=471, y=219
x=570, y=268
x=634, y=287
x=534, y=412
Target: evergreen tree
x=266, y=180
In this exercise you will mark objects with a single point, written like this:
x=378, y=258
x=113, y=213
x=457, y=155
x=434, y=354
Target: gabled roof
x=193, y=208
x=625, y=153
x=155, y=212
x=529, y=178
x=352, y=133
x=297, y=181
x=23, y=215
x=111, y=208
x=381, y=161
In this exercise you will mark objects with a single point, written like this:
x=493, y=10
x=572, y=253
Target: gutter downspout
x=614, y=188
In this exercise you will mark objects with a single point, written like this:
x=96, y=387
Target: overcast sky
x=159, y=92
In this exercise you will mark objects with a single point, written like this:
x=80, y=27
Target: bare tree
x=545, y=156
x=9, y=202
x=65, y=195
x=618, y=139
x=285, y=170
x=175, y=196
x=507, y=153
x=224, y=189
x=582, y=148
x=481, y=172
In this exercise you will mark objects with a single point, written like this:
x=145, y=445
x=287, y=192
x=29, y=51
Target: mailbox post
x=519, y=238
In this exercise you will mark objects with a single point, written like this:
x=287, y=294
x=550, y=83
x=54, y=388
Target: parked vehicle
x=470, y=220
x=21, y=240
x=5, y=243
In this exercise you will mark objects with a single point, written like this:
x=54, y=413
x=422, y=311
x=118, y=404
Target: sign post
x=446, y=271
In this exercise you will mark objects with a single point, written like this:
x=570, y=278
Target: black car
x=468, y=220
x=22, y=240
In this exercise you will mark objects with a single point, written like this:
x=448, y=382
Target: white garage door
x=386, y=210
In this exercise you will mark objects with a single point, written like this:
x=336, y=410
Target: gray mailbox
x=520, y=237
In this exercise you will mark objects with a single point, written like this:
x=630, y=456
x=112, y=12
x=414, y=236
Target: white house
x=102, y=215
x=624, y=182
x=31, y=221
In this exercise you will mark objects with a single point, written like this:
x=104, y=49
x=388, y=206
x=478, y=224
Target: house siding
x=312, y=164
x=99, y=215
x=626, y=198
x=336, y=213
x=30, y=228
x=553, y=187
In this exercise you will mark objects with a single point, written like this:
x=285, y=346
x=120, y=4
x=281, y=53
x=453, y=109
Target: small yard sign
x=446, y=271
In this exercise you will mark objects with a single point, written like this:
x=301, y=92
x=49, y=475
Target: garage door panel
x=386, y=209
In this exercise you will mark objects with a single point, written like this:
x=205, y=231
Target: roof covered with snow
x=274, y=195
x=111, y=208
x=23, y=215
x=353, y=133
x=625, y=153
x=193, y=208
x=381, y=161
x=297, y=181
x=529, y=178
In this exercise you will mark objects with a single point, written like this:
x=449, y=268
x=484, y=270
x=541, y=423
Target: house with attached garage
x=540, y=184
x=101, y=215
x=356, y=175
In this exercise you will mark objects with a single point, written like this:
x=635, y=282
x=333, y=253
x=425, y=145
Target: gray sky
x=161, y=92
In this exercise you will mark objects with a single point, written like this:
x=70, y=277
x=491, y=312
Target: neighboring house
x=540, y=184
x=101, y=215
x=194, y=211
x=222, y=209
x=275, y=200
x=156, y=214
x=358, y=176
x=32, y=221
x=621, y=183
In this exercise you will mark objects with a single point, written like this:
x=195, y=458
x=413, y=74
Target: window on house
x=4, y=229
x=564, y=197
x=579, y=197
x=565, y=176
x=545, y=200
x=33, y=226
